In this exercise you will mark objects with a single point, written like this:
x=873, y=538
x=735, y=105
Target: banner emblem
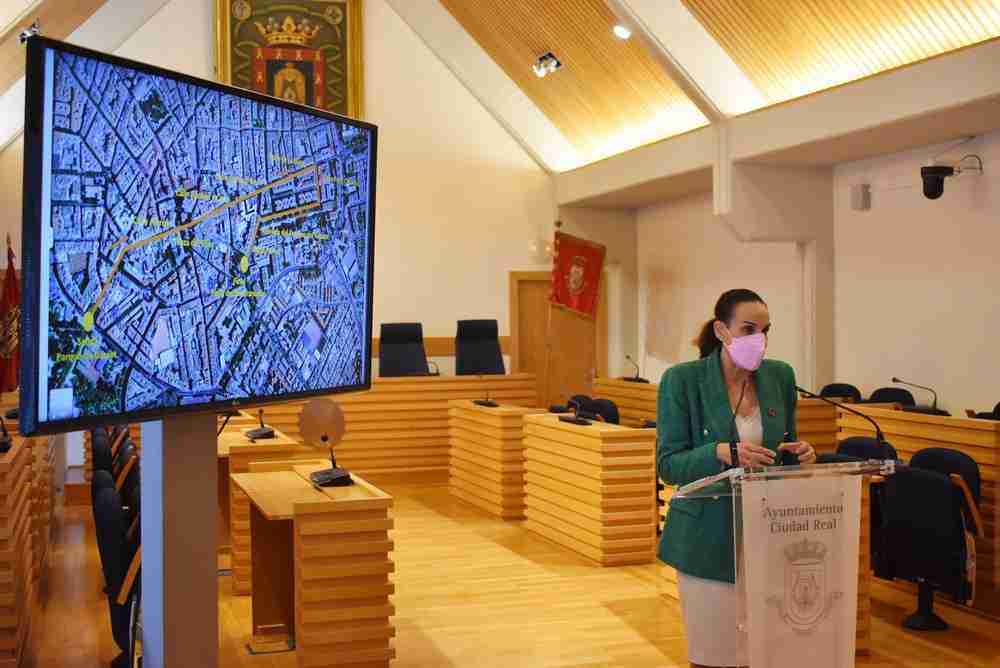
x=806, y=601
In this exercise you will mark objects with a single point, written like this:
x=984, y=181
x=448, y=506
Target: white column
x=180, y=592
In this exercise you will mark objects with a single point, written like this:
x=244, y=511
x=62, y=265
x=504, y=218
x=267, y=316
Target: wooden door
x=563, y=349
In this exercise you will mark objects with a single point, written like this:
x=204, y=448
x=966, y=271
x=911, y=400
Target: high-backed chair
x=606, y=409
x=963, y=471
x=401, y=350
x=100, y=449
x=892, y=395
x=119, y=565
x=842, y=390
x=865, y=448
x=477, y=349
x=923, y=540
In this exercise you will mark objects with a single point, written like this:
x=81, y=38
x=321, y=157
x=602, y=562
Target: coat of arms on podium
x=306, y=52
x=806, y=601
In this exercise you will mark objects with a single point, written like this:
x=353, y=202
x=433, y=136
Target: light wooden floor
x=474, y=591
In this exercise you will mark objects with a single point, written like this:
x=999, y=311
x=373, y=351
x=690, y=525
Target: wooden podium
x=321, y=560
x=591, y=488
x=487, y=456
x=980, y=439
x=636, y=401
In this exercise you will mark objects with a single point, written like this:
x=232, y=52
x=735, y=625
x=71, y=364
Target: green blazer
x=693, y=416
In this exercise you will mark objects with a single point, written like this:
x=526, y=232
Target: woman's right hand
x=750, y=455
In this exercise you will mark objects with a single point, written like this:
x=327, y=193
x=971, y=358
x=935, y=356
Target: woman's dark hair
x=707, y=342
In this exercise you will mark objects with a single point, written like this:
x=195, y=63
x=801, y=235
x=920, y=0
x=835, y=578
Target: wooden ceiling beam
x=56, y=19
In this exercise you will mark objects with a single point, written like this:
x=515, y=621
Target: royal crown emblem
x=806, y=601
x=805, y=551
x=287, y=32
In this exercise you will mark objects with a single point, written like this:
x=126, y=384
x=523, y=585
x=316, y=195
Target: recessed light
x=621, y=32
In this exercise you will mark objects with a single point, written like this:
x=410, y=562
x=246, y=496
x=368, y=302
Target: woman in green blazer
x=695, y=415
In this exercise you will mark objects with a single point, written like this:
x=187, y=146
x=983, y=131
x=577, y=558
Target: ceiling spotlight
x=546, y=64
x=621, y=32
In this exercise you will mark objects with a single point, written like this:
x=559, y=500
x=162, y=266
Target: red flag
x=10, y=325
x=576, y=274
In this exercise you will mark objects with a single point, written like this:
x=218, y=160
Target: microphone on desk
x=934, y=409
x=636, y=378
x=262, y=432
x=879, y=436
x=5, y=441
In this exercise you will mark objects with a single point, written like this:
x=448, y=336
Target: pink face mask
x=747, y=351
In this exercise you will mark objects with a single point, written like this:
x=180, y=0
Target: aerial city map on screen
x=200, y=246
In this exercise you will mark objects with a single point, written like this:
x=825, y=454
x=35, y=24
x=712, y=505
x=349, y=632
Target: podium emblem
x=806, y=601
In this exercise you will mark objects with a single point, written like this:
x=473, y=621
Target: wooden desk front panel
x=17, y=587
x=401, y=424
x=43, y=458
x=980, y=439
x=636, y=401
x=487, y=456
x=591, y=488
x=240, y=457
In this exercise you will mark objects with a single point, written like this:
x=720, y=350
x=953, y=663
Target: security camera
x=933, y=177
x=31, y=31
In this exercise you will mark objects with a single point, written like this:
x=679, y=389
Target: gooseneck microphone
x=934, y=407
x=635, y=378
x=262, y=432
x=879, y=437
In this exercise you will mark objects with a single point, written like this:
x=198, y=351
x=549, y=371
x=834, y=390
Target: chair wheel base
x=925, y=621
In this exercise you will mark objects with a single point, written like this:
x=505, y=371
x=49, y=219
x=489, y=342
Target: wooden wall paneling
x=17, y=586
x=591, y=488
x=636, y=401
x=401, y=424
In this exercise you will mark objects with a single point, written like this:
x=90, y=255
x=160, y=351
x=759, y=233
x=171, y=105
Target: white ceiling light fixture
x=546, y=64
x=621, y=31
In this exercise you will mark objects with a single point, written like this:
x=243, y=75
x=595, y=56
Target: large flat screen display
x=187, y=246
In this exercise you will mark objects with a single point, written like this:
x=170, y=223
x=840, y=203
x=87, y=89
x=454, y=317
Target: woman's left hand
x=805, y=452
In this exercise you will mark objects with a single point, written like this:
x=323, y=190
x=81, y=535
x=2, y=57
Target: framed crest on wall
x=304, y=51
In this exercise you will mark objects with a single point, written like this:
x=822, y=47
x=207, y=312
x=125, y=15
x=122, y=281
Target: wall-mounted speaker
x=861, y=197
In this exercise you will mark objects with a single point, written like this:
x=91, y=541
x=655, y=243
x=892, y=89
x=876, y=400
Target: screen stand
x=180, y=592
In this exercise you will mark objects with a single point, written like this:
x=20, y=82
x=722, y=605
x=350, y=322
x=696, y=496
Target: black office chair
x=477, y=349
x=125, y=453
x=892, y=395
x=605, y=409
x=841, y=390
x=116, y=557
x=985, y=415
x=865, y=448
x=401, y=350
x=923, y=540
x=100, y=449
x=951, y=462
x=649, y=424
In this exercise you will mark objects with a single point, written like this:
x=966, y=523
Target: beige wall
x=916, y=280
x=686, y=258
x=458, y=201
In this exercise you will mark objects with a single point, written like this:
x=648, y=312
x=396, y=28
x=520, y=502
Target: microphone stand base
x=331, y=478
